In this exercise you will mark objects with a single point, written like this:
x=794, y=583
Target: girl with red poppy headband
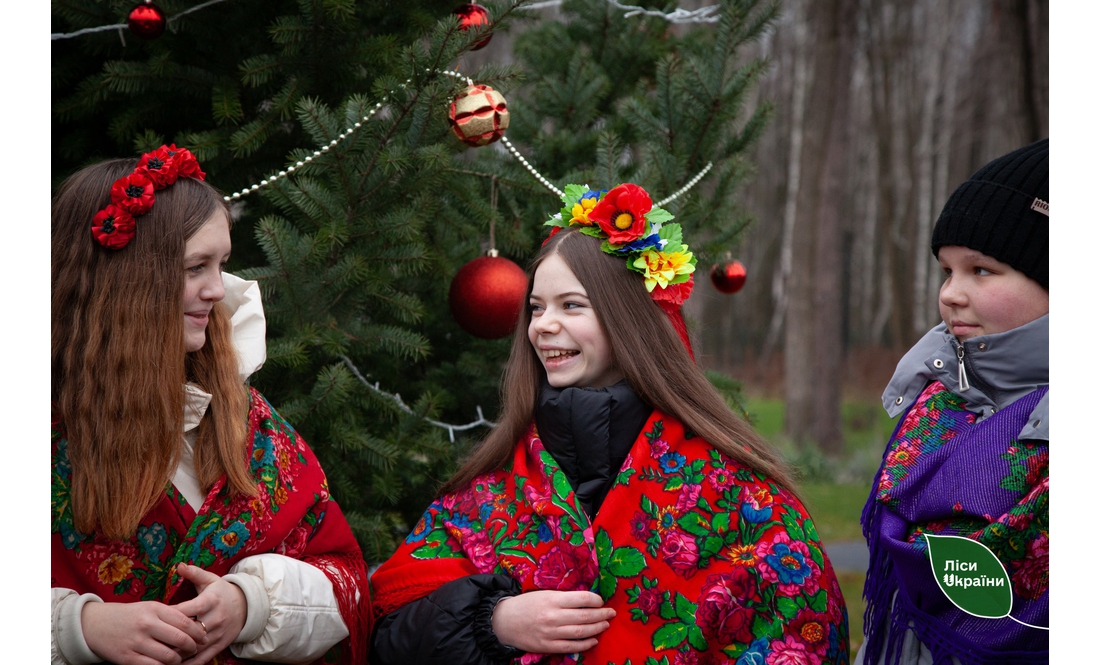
x=189, y=521
x=619, y=511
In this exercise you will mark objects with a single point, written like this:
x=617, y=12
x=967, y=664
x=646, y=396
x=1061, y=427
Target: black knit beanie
x=1002, y=211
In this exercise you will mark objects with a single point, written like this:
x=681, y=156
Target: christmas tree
x=355, y=236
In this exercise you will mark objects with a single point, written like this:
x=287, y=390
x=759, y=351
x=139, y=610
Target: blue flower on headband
x=648, y=242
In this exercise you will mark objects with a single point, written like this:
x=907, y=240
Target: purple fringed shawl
x=942, y=474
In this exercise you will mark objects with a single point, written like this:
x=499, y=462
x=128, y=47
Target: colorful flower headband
x=132, y=195
x=630, y=227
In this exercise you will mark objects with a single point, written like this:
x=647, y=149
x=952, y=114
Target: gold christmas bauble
x=479, y=115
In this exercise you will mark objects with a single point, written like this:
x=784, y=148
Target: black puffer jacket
x=589, y=431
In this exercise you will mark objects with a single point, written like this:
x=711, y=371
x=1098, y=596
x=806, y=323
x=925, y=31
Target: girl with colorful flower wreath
x=620, y=512
x=190, y=522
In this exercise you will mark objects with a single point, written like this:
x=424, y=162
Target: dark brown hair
x=118, y=359
x=644, y=346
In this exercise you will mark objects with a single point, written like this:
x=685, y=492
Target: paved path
x=849, y=556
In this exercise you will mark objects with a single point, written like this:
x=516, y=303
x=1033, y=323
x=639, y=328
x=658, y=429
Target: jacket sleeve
x=451, y=626
x=292, y=614
x=67, y=645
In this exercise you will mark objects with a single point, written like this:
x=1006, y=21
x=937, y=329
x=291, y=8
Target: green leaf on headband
x=573, y=193
x=674, y=235
x=593, y=231
x=658, y=216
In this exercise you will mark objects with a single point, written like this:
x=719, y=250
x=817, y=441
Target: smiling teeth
x=555, y=353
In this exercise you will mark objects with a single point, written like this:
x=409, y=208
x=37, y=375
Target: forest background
x=844, y=125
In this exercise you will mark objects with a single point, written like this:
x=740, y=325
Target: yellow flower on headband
x=581, y=209
x=662, y=268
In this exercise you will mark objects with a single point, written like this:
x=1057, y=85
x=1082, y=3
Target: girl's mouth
x=558, y=357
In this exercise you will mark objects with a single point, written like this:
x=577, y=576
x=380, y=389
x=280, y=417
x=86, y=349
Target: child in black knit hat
x=969, y=457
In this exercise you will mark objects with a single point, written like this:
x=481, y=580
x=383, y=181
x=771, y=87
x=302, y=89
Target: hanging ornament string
x=122, y=26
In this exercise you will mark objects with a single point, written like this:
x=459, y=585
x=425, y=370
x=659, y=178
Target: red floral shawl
x=704, y=560
x=293, y=515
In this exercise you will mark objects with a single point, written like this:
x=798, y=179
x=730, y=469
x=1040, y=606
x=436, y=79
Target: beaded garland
x=504, y=140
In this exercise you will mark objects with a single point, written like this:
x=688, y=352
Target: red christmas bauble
x=479, y=115
x=728, y=277
x=486, y=296
x=472, y=14
x=146, y=21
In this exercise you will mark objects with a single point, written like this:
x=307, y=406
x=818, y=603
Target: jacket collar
x=242, y=299
x=590, y=431
x=1001, y=368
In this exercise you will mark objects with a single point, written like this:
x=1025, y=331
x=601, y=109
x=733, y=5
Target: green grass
x=851, y=586
x=836, y=509
x=834, y=489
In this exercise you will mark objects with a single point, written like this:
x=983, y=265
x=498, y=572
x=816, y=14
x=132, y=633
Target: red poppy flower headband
x=132, y=195
x=632, y=228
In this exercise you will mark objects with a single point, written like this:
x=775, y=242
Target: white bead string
x=503, y=139
x=531, y=169
x=683, y=190
x=331, y=144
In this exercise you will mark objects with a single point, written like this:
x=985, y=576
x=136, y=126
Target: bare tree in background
x=852, y=175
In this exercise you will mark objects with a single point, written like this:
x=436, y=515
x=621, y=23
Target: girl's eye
x=572, y=305
x=533, y=308
x=981, y=272
x=222, y=265
x=195, y=269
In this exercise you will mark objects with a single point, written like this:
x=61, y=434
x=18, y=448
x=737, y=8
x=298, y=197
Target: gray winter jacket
x=999, y=369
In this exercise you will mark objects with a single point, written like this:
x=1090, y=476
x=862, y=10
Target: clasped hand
x=551, y=621
x=152, y=633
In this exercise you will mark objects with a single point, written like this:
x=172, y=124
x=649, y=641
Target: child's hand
x=145, y=633
x=551, y=621
x=220, y=605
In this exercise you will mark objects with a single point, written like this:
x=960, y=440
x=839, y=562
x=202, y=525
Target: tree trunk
x=832, y=208
x=801, y=350
x=781, y=279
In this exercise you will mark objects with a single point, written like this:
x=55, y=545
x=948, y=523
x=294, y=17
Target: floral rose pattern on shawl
x=705, y=561
x=944, y=474
x=292, y=515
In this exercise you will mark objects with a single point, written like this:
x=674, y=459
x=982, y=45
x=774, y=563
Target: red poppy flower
x=159, y=166
x=186, y=164
x=133, y=193
x=113, y=227
x=621, y=213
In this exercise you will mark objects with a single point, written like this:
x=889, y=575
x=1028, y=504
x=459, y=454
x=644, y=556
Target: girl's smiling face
x=204, y=258
x=565, y=331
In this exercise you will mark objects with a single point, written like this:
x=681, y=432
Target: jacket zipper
x=964, y=384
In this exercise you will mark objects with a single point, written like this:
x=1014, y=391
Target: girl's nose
x=546, y=322
x=214, y=289
x=952, y=293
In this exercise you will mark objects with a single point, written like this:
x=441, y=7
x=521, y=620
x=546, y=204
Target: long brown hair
x=119, y=363
x=644, y=346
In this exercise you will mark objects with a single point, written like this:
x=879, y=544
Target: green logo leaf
x=971, y=576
